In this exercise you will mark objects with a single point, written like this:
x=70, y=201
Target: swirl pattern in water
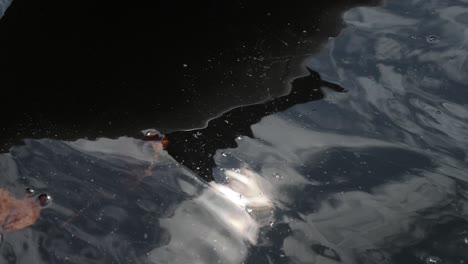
x=375, y=175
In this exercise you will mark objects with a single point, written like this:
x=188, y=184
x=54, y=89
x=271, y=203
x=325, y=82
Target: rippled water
x=374, y=175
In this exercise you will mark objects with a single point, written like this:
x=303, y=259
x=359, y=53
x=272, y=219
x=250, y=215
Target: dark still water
x=376, y=174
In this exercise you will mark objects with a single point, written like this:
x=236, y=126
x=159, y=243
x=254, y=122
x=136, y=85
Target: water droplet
x=152, y=133
x=44, y=199
x=197, y=135
x=30, y=190
x=433, y=260
x=432, y=39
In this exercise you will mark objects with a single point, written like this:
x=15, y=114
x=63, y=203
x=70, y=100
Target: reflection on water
x=200, y=145
x=97, y=217
x=375, y=175
x=3, y=6
x=310, y=198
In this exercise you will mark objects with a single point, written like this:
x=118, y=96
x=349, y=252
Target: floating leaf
x=16, y=213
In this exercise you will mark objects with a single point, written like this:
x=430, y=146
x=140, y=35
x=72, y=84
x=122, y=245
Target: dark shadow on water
x=271, y=250
x=74, y=70
x=196, y=148
x=446, y=241
x=326, y=252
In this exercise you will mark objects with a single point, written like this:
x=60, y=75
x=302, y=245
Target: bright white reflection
x=244, y=190
x=224, y=220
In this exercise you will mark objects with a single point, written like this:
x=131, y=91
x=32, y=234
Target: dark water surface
x=377, y=174
x=73, y=70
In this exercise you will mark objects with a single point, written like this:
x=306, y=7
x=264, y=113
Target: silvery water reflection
x=4, y=4
x=313, y=197
x=99, y=216
x=377, y=175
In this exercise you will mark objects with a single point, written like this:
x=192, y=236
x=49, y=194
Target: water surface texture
x=374, y=175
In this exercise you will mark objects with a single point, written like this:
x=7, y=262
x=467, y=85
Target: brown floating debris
x=159, y=142
x=16, y=213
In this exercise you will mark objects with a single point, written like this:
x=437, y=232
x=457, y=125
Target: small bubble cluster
x=432, y=39
x=433, y=260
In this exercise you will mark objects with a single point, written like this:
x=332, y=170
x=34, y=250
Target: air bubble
x=153, y=134
x=433, y=260
x=432, y=39
x=346, y=61
x=30, y=190
x=44, y=199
